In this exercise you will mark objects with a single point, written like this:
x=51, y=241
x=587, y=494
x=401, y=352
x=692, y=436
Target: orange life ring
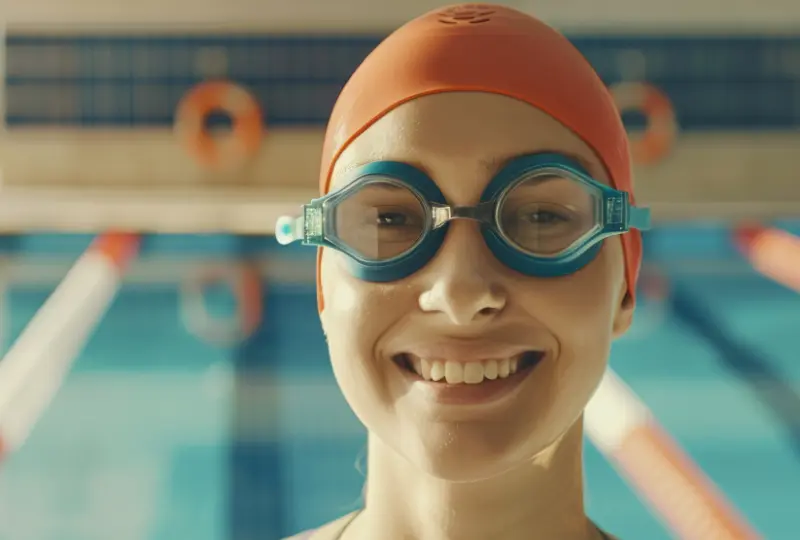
x=246, y=114
x=662, y=127
x=245, y=282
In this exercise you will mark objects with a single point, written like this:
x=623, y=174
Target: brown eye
x=392, y=219
x=545, y=218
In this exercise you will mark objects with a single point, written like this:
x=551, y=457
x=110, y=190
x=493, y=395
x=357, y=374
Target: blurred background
x=203, y=405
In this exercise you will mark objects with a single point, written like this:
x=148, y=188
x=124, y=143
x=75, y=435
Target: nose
x=463, y=280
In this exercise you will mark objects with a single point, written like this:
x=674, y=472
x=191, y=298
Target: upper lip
x=468, y=350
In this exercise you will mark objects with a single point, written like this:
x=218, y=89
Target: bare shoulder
x=329, y=531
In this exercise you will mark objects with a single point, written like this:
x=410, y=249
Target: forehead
x=466, y=136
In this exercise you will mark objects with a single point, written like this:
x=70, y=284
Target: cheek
x=578, y=310
x=581, y=307
x=352, y=306
x=349, y=322
x=356, y=315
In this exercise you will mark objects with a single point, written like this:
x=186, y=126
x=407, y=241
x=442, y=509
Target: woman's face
x=466, y=306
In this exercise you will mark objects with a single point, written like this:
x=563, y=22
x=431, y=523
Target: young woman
x=478, y=254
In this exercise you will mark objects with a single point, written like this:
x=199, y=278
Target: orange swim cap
x=485, y=48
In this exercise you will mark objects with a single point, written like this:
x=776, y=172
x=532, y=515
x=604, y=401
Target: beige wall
x=148, y=158
x=371, y=15
x=707, y=167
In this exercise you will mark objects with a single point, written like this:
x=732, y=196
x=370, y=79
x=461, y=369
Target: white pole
x=623, y=429
x=36, y=364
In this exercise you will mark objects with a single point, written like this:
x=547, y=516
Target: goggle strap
x=639, y=218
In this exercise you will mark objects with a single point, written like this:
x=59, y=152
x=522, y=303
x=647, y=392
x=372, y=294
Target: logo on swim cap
x=467, y=14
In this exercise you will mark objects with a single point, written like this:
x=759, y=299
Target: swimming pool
x=158, y=436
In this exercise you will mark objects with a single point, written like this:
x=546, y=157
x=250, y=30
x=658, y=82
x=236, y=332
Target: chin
x=460, y=453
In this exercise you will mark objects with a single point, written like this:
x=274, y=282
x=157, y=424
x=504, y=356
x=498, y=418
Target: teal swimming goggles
x=542, y=215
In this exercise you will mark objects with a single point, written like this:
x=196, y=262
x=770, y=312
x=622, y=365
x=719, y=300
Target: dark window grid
x=719, y=105
x=707, y=58
x=723, y=57
x=244, y=39
x=144, y=105
x=60, y=106
x=169, y=87
x=288, y=108
x=253, y=82
x=148, y=63
x=334, y=40
x=748, y=104
x=779, y=65
x=290, y=57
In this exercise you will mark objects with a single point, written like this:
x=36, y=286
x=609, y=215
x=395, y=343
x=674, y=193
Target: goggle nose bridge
x=482, y=213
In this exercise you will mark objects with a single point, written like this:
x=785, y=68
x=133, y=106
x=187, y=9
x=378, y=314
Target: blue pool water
x=158, y=436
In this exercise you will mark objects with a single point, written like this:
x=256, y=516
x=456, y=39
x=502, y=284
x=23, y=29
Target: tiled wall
x=715, y=82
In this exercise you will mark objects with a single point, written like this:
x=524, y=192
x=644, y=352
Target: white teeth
x=454, y=372
x=437, y=371
x=473, y=373
x=425, y=370
x=503, y=368
x=465, y=373
x=417, y=364
x=490, y=369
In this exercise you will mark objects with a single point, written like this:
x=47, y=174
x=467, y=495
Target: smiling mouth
x=450, y=372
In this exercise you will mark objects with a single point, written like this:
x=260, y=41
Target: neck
x=541, y=499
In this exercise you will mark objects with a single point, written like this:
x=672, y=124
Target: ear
x=623, y=318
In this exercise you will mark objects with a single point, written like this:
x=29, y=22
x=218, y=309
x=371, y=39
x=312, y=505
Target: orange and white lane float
x=623, y=429
x=35, y=366
x=232, y=150
x=773, y=252
x=245, y=283
x=662, y=127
